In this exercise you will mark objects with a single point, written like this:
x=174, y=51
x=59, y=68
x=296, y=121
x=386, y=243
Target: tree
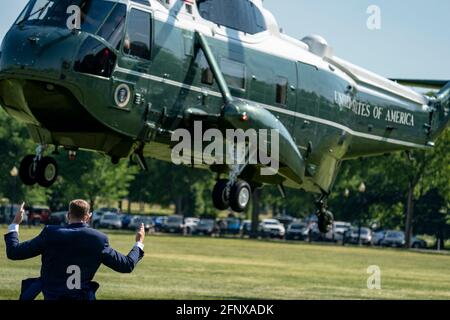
x=93, y=177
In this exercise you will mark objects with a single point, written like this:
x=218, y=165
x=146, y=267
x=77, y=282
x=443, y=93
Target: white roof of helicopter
x=313, y=50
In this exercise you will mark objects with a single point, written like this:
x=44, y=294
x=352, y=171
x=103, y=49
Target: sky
x=412, y=42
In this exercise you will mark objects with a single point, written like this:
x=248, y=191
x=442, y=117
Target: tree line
x=401, y=191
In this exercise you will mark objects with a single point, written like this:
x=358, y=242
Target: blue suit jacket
x=62, y=247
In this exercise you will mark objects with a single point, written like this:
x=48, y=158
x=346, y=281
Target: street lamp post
x=14, y=173
x=362, y=189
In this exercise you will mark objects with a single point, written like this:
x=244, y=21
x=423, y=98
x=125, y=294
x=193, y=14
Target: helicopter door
x=305, y=133
x=131, y=81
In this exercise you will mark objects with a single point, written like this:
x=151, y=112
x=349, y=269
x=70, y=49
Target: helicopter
x=130, y=73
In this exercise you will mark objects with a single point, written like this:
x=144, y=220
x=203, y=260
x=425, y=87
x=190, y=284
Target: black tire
x=46, y=172
x=26, y=172
x=240, y=196
x=219, y=197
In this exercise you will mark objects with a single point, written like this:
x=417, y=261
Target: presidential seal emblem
x=122, y=95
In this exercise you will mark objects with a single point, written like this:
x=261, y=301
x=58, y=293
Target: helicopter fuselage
x=333, y=111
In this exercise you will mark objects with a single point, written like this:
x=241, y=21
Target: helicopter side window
x=112, y=29
x=207, y=76
x=241, y=15
x=137, y=39
x=234, y=73
x=281, y=90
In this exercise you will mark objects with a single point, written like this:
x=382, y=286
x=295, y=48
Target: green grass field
x=204, y=268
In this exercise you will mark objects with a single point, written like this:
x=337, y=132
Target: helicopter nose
x=37, y=52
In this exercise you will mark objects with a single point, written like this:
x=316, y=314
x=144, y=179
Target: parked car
x=233, y=226
x=285, y=220
x=159, y=223
x=190, y=224
x=395, y=239
x=174, y=224
x=272, y=228
x=296, y=231
x=136, y=221
x=205, y=227
x=96, y=217
x=58, y=218
x=246, y=228
x=339, y=230
x=7, y=213
x=111, y=221
x=377, y=237
x=361, y=235
x=418, y=243
x=126, y=219
x=38, y=214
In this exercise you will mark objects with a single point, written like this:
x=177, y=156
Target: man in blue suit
x=70, y=256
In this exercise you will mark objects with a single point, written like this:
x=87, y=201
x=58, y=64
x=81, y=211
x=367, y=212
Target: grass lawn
x=205, y=268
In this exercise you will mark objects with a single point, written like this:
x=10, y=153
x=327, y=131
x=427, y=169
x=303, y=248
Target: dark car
x=159, y=222
x=296, y=231
x=205, y=227
x=395, y=239
x=233, y=226
x=38, y=214
x=377, y=237
x=417, y=243
x=136, y=222
x=7, y=213
x=246, y=228
x=174, y=224
x=58, y=218
x=126, y=219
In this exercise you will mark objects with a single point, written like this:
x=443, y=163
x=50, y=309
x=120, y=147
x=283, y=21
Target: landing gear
x=38, y=169
x=221, y=195
x=236, y=195
x=325, y=217
x=46, y=172
x=240, y=196
x=27, y=170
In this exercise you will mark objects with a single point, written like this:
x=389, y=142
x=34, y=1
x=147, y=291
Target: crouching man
x=70, y=256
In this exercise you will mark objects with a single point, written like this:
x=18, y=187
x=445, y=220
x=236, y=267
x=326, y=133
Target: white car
x=190, y=224
x=272, y=228
x=111, y=221
x=339, y=229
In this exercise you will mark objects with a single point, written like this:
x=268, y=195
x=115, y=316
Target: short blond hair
x=79, y=208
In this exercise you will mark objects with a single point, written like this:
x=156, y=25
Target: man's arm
x=26, y=250
x=121, y=263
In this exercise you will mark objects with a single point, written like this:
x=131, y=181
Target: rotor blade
x=419, y=83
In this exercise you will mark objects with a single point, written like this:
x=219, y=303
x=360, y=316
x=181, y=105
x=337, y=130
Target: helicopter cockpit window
x=241, y=15
x=55, y=13
x=137, y=39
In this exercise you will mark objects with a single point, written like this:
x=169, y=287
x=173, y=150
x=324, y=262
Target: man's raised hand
x=140, y=234
x=19, y=215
